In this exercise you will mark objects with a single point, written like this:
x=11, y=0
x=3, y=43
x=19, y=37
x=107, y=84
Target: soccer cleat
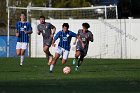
x=61, y=58
x=21, y=63
x=50, y=71
x=76, y=68
x=74, y=61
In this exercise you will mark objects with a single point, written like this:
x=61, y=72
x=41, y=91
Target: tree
x=3, y=15
x=55, y=3
x=71, y=3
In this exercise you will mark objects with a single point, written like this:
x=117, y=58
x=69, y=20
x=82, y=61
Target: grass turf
x=94, y=76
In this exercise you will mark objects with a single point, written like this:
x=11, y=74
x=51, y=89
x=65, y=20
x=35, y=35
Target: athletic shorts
x=21, y=45
x=47, y=42
x=83, y=51
x=63, y=52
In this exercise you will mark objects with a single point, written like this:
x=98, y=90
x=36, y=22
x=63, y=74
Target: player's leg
x=77, y=54
x=65, y=56
x=18, y=52
x=18, y=48
x=57, y=55
x=23, y=48
x=54, y=61
x=80, y=60
x=61, y=57
x=48, y=54
x=22, y=56
x=46, y=46
x=46, y=50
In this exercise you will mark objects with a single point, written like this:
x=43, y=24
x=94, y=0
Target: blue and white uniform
x=64, y=43
x=23, y=38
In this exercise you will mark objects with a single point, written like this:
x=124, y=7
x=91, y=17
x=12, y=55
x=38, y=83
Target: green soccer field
x=94, y=76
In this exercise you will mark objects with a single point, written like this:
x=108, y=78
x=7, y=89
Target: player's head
x=85, y=26
x=65, y=27
x=23, y=16
x=42, y=19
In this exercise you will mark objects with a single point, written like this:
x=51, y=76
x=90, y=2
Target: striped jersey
x=65, y=38
x=20, y=27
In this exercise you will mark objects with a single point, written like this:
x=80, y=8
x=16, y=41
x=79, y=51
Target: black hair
x=23, y=13
x=86, y=25
x=42, y=17
x=65, y=25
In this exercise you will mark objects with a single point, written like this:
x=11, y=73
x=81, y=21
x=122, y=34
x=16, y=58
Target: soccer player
x=81, y=50
x=23, y=29
x=63, y=48
x=47, y=30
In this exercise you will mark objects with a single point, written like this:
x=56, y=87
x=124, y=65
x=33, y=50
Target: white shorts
x=21, y=45
x=63, y=52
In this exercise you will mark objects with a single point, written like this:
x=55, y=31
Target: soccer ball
x=66, y=70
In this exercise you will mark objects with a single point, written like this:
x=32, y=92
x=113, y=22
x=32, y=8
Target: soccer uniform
x=64, y=43
x=23, y=38
x=45, y=29
x=85, y=37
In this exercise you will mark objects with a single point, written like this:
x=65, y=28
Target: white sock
x=22, y=58
x=51, y=67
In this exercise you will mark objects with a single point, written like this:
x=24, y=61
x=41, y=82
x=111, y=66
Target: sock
x=80, y=60
x=21, y=58
x=51, y=67
x=78, y=63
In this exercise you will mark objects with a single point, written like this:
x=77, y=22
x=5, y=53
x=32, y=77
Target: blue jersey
x=65, y=39
x=20, y=27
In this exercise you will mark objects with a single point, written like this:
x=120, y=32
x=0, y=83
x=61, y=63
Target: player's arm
x=28, y=32
x=55, y=38
x=75, y=41
x=79, y=39
x=29, y=29
x=53, y=43
x=38, y=31
x=91, y=37
x=17, y=33
x=53, y=30
x=74, y=35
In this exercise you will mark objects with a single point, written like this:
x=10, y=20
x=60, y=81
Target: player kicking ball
x=23, y=29
x=47, y=30
x=63, y=48
x=82, y=49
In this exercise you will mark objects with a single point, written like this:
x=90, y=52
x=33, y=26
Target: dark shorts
x=47, y=42
x=83, y=51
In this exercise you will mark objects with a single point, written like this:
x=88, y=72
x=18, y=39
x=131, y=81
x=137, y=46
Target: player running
x=23, y=29
x=81, y=51
x=47, y=30
x=63, y=48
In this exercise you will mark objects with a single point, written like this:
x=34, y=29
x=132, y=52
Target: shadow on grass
x=70, y=86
